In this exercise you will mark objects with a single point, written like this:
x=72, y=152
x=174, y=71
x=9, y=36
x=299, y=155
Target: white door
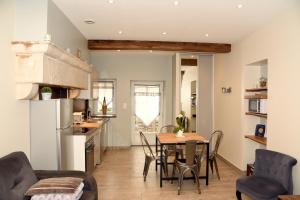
x=147, y=103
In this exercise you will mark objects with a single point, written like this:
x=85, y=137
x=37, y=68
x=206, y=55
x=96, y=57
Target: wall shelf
x=261, y=140
x=257, y=96
x=257, y=89
x=257, y=114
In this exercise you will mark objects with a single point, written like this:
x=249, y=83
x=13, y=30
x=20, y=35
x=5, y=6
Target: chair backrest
x=275, y=165
x=167, y=129
x=146, y=147
x=16, y=176
x=190, y=150
x=215, y=140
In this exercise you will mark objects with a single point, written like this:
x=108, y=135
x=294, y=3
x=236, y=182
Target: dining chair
x=149, y=155
x=170, y=150
x=192, y=163
x=272, y=176
x=215, y=140
x=167, y=129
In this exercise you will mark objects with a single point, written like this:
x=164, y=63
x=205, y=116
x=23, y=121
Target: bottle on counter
x=104, y=107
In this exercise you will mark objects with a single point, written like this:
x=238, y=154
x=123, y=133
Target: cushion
x=55, y=185
x=16, y=176
x=61, y=196
x=260, y=188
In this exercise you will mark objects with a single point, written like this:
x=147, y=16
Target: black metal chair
x=272, y=176
x=191, y=163
x=149, y=156
x=215, y=140
x=170, y=150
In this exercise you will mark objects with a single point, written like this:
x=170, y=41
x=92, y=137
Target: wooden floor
x=119, y=177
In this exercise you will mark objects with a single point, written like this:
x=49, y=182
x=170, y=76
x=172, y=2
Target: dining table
x=164, y=139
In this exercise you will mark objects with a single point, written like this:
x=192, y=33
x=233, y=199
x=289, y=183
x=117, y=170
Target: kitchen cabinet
x=103, y=138
x=97, y=149
x=79, y=145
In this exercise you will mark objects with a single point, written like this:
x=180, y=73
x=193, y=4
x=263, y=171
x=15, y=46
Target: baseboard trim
x=241, y=172
x=118, y=148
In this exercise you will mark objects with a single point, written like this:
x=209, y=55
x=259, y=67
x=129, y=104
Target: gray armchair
x=272, y=176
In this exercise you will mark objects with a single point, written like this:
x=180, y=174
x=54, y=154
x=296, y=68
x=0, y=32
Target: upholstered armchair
x=272, y=176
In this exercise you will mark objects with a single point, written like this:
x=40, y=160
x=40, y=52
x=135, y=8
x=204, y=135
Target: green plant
x=46, y=90
x=180, y=122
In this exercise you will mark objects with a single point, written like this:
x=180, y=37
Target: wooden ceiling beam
x=159, y=46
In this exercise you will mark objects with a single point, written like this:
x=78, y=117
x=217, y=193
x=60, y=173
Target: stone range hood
x=43, y=63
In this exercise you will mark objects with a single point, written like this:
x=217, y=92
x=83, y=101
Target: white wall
x=279, y=43
x=132, y=66
x=14, y=118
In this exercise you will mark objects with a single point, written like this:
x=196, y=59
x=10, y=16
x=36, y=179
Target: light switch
x=124, y=106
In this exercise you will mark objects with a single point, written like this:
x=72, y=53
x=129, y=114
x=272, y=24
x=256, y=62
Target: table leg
x=207, y=162
x=156, y=153
x=161, y=164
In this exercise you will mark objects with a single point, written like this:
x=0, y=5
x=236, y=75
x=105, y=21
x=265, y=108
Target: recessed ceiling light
x=192, y=56
x=239, y=6
x=89, y=21
x=119, y=50
x=176, y=3
x=164, y=33
x=120, y=32
x=150, y=51
x=110, y=1
x=206, y=35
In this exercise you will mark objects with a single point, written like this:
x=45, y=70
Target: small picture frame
x=260, y=130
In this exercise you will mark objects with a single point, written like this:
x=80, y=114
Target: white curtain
x=147, y=103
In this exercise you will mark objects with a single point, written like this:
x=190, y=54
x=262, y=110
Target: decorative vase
x=46, y=96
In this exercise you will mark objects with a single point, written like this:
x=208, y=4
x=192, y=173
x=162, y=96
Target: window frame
x=114, y=99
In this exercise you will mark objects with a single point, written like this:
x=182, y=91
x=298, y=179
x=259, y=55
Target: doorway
x=147, y=112
x=188, y=97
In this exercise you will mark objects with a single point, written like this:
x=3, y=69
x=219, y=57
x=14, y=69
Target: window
x=105, y=89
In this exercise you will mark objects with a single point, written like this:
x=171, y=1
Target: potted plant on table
x=181, y=126
x=46, y=93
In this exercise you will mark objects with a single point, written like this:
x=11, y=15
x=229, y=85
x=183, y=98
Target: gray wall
x=205, y=88
x=36, y=18
x=63, y=33
x=124, y=67
x=30, y=19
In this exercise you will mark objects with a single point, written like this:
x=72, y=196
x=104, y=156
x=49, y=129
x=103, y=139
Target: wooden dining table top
x=171, y=138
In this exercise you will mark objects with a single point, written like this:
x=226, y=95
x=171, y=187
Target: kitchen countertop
x=93, y=124
x=87, y=132
x=104, y=116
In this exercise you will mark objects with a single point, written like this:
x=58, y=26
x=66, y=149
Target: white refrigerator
x=50, y=121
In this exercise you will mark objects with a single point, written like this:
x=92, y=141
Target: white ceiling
x=189, y=21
